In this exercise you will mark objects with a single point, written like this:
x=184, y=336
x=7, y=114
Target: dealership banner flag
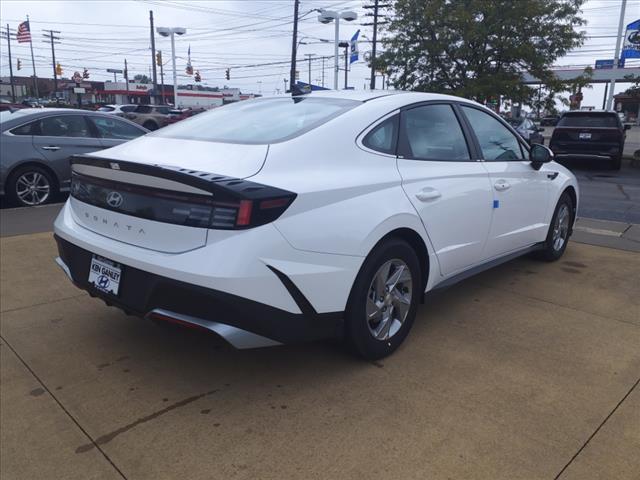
x=354, y=47
x=631, y=46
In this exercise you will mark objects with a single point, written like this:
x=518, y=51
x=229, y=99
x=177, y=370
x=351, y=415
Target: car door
x=449, y=189
x=112, y=131
x=58, y=137
x=520, y=193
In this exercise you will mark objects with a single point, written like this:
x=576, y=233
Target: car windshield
x=589, y=120
x=259, y=121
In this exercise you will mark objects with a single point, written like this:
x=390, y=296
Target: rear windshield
x=259, y=121
x=589, y=120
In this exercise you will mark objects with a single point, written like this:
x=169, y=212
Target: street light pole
x=616, y=57
x=328, y=16
x=335, y=53
x=175, y=72
x=172, y=32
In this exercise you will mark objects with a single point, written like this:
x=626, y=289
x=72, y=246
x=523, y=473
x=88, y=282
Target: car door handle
x=427, y=194
x=501, y=185
x=52, y=148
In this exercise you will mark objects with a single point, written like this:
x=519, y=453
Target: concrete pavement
x=528, y=371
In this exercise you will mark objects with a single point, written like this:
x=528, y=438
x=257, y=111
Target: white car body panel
x=520, y=213
x=348, y=198
x=229, y=159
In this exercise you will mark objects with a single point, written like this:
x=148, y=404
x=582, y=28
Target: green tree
x=479, y=49
x=141, y=79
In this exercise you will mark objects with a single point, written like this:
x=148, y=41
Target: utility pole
x=162, y=82
x=373, y=47
x=153, y=54
x=309, y=55
x=126, y=79
x=13, y=88
x=294, y=46
x=52, y=38
x=374, y=42
x=616, y=57
x=322, y=72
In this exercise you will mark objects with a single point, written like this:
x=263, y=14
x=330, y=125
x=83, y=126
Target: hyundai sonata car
x=285, y=219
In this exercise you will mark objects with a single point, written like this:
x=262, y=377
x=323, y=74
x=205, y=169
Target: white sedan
x=300, y=218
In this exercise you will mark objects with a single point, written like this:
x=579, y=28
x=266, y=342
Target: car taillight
x=248, y=213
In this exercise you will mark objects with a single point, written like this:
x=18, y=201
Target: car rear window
x=589, y=120
x=259, y=121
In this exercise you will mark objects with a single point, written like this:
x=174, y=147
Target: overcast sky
x=234, y=34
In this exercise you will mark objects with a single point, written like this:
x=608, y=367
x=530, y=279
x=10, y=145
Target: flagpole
x=33, y=62
x=13, y=88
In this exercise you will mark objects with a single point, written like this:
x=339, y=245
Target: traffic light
x=19, y=64
x=58, y=69
x=197, y=77
x=228, y=74
x=159, y=58
x=85, y=74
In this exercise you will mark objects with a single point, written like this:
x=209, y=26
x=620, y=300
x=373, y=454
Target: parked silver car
x=36, y=145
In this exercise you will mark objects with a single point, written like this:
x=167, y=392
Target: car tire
x=384, y=299
x=559, y=230
x=149, y=125
x=30, y=186
x=616, y=163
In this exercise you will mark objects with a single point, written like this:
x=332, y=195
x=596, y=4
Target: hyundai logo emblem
x=114, y=199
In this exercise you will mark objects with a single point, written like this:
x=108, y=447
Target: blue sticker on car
x=496, y=204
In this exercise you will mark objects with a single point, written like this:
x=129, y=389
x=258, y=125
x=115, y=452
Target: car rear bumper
x=241, y=321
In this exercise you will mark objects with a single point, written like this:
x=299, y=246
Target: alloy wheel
x=33, y=188
x=389, y=299
x=561, y=227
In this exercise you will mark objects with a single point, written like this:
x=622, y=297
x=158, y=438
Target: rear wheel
x=558, y=236
x=384, y=299
x=30, y=186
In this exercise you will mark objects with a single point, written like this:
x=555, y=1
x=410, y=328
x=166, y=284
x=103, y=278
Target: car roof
x=400, y=97
x=575, y=112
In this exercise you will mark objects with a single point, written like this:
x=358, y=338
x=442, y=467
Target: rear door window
x=432, y=132
x=63, y=126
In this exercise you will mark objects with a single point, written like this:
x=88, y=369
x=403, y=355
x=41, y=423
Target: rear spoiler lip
x=211, y=182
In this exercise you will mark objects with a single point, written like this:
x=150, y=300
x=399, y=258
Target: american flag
x=24, y=33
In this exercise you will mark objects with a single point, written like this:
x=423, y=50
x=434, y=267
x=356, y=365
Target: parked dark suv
x=589, y=134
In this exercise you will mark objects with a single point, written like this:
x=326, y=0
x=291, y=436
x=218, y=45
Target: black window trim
x=464, y=127
x=524, y=147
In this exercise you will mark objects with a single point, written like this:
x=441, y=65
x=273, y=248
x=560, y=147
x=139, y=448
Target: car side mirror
x=627, y=127
x=539, y=154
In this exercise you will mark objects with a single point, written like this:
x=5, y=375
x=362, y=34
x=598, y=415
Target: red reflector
x=244, y=213
x=274, y=203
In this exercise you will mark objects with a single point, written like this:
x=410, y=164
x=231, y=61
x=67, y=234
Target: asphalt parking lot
x=527, y=371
